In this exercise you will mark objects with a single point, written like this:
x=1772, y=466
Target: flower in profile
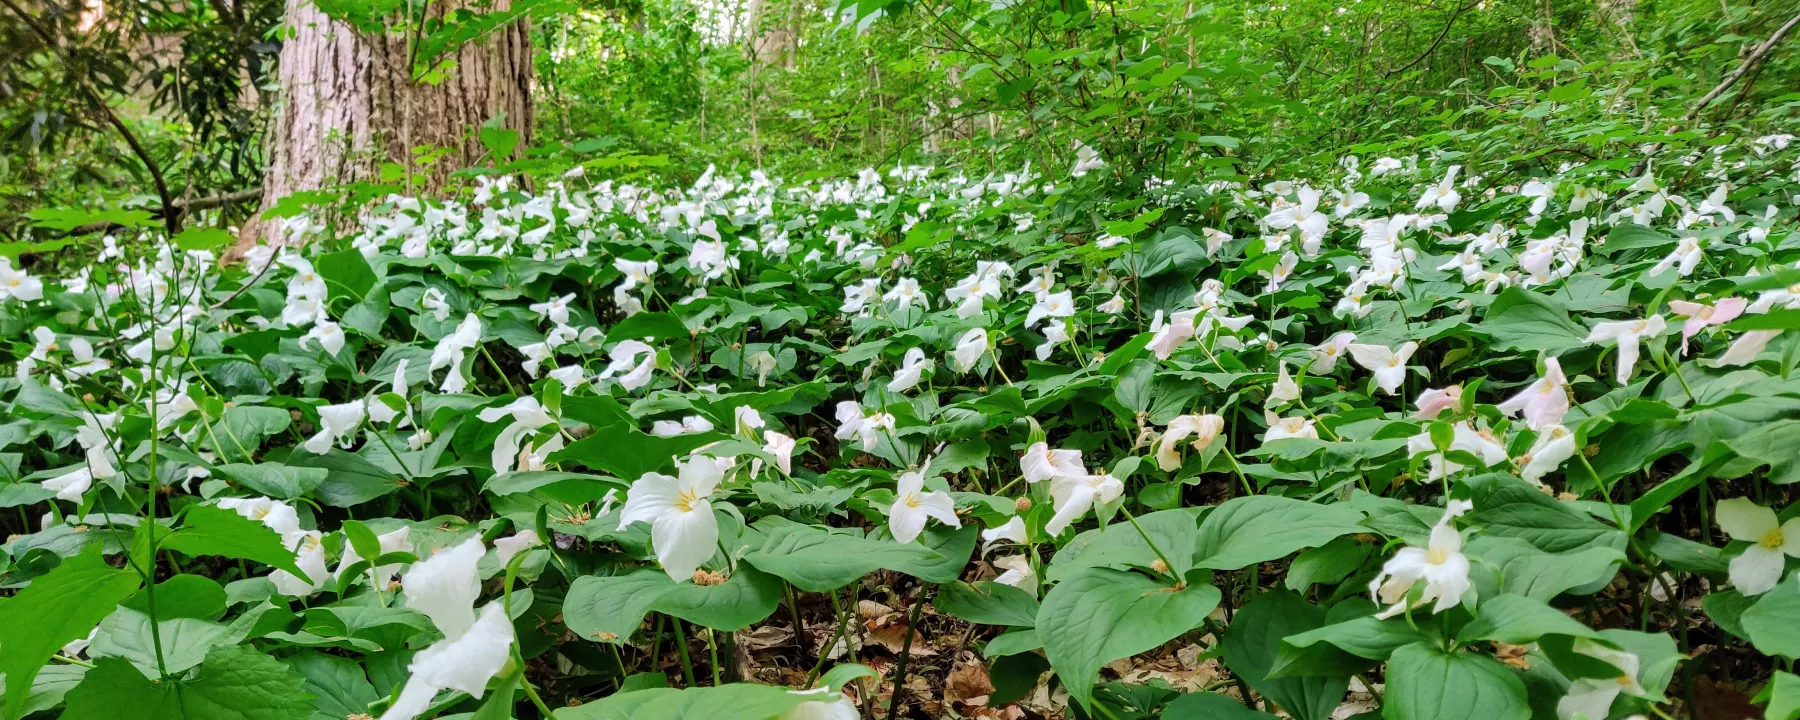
x=969, y=349
x=1018, y=573
x=1040, y=463
x=1073, y=496
x=399, y=540
x=1545, y=401
x=1434, y=401
x=1086, y=160
x=912, y=366
x=71, y=485
x=1325, y=355
x=682, y=527
x=1167, y=337
x=1051, y=305
x=328, y=334
x=1627, y=334
x=633, y=362
x=867, y=427
x=780, y=447
x=913, y=505
x=475, y=647
x=1746, y=347
x=1758, y=568
x=1285, y=389
x=1440, y=564
x=831, y=705
x=1388, y=365
x=337, y=425
x=686, y=426
x=1699, y=315
x=1555, y=444
x=1013, y=531
x=1289, y=428
x=556, y=310
x=309, y=556
x=1592, y=698
x=450, y=351
x=1465, y=438
x=507, y=548
x=1443, y=195
x=1203, y=428
x=528, y=415
x=1113, y=305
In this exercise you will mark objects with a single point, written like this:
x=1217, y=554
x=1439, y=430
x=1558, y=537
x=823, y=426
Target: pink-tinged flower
x=1545, y=402
x=1699, y=316
x=1434, y=402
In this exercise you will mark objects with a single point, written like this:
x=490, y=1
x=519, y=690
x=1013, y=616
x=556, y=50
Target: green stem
x=912, y=627
x=1168, y=567
x=687, y=664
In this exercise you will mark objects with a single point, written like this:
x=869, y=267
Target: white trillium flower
x=1441, y=565
x=71, y=485
x=832, y=705
x=682, y=526
x=913, y=505
x=1013, y=531
x=1289, y=428
x=1479, y=443
x=1040, y=463
x=1555, y=445
x=399, y=540
x=686, y=426
x=1074, y=496
x=1545, y=401
x=337, y=423
x=507, y=548
x=309, y=556
x=475, y=647
x=1203, y=428
x=867, y=428
x=969, y=349
x=1326, y=354
x=1757, y=569
x=1018, y=573
x=1285, y=389
x=528, y=415
x=912, y=366
x=633, y=362
x=328, y=334
x=1592, y=698
x=451, y=350
x=1051, y=305
x=780, y=447
x=1627, y=334
x=1388, y=365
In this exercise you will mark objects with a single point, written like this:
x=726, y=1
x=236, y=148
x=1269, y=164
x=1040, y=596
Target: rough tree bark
x=348, y=103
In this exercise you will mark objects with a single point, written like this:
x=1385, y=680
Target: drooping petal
x=1757, y=570
x=1744, y=520
x=685, y=540
x=445, y=585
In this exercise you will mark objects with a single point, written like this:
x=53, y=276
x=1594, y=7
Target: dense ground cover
x=1427, y=435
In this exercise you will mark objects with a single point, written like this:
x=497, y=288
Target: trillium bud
x=1022, y=504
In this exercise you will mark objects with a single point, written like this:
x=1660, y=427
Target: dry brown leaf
x=968, y=680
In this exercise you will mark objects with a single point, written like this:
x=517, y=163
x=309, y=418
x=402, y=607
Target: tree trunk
x=348, y=104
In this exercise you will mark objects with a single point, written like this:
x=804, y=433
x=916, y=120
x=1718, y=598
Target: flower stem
x=912, y=628
x=1168, y=567
x=687, y=664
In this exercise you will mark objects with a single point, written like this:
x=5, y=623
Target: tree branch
x=170, y=220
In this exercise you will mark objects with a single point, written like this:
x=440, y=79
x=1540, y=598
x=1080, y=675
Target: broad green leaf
x=1211, y=705
x=610, y=608
x=815, y=560
x=737, y=701
x=1519, y=620
x=1120, y=545
x=1784, y=697
x=234, y=683
x=987, y=603
x=1099, y=615
x=748, y=597
x=1426, y=683
x=338, y=684
x=56, y=608
x=184, y=641
x=1253, y=641
x=1771, y=623
x=1520, y=319
x=282, y=482
x=212, y=530
x=1258, y=528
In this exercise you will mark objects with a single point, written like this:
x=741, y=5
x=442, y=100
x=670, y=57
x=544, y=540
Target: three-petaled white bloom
x=1758, y=568
x=781, y=448
x=1443, y=195
x=1388, y=365
x=1288, y=428
x=1434, y=401
x=328, y=334
x=1051, y=305
x=1018, y=573
x=1592, y=698
x=867, y=427
x=686, y=426
x=1013, y=531
x=1326, y=354
x=912, y=366
x=1628, y=334
x=633, y=362
x=1285, y=389
x=475, y=647
x=682, y=527
x=1440, y=564
x=337, y=423
x=1203, y=428
x=1465, y=438
x=969, y=349
x=451, y=350
x=913, y=504
x=1700, y=315
x=1165, y=338
x=906, y=292
x=1074, y=495
x=1040, y=463
x=528, y=415
x=1555, y=444
x=1543, y=402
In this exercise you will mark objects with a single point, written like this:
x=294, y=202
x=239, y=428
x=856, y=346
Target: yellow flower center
x=911, y=500
x=1437, y=555
x=686, y=500
x=1772, y=539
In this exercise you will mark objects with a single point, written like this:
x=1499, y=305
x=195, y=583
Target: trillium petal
x=685, y=540
x=1744, y=520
